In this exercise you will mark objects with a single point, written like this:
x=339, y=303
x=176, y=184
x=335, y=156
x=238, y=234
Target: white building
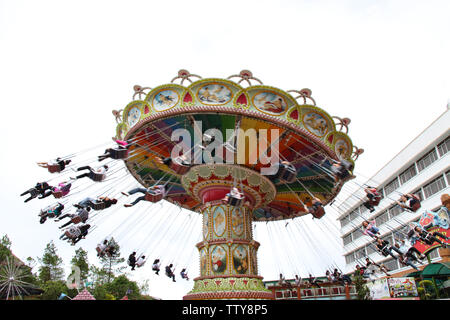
x=423, y=168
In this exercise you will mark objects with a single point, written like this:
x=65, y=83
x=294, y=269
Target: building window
x=357, y=234
x=448, y=177
x=362, y=209
x=370, y=249
x=382, y=218
x=361, y=253
x=381, y=192
x=419, y=193
x=347, y=239
x=427, y=160
x=408, y=174
x=354, y=214
x=391, y=186
x=344, y=221
x=388, y=238
x=434, y=254
x=349, y=258
x=443, y=147
x=395, y=211
x=434, y=186
x=391, y=264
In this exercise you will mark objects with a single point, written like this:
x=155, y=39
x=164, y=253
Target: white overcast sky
x=64, y=65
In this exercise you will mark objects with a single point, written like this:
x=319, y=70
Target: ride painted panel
x=204, y=262
x=240, y=259
x=219, y=259
x=237, y=222
x=219, y=222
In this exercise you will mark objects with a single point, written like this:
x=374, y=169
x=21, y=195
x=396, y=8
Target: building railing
x=327, y=290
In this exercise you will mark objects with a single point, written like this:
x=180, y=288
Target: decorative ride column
x=228, y=253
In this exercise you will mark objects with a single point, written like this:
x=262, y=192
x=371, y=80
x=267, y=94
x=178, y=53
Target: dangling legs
x=134, y=202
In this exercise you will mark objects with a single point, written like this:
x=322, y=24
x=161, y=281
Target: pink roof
x=84, y=295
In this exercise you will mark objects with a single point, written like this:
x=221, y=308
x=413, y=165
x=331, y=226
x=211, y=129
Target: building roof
x=84, y=295
x=431, y=270
x=435, y=269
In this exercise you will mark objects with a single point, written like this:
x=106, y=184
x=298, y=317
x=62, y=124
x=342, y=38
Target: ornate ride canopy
x=308, y=136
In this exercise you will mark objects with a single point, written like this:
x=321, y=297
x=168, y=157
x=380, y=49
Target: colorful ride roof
x=307, y=136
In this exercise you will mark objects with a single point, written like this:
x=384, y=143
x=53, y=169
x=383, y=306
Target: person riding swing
x=153, y=194
x=234, y=198
x=54, y=166
x=96, y=175
x=410, y=202
x=38, y=190
x=170, y=273
x=117, y=153
x=316, y=208
x=132, y=260
x=373, y=197
x=51, y=212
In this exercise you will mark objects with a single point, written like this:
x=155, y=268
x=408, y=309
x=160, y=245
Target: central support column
x=228, y=263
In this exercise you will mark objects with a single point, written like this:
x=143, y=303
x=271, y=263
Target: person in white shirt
x=156, y=266
x=140, y=261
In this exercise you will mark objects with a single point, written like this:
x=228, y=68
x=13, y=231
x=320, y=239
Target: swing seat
x=154, y=195
x=286, y=172
x=98, y=205
x=319, y=212
x=416, y=206
x=34, y=192
x=72, y=233
x=119, y=153
x=97, y=177
x=58, y=194
x=49, y=214
x=235, y=201
x=54, y=168
x=178, y=166
x=375, y=201
x=76, y=220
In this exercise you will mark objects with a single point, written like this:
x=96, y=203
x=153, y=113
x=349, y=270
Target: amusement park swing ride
x=233, y=150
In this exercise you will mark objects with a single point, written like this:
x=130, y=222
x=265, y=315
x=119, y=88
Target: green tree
x=5, y=248
x=122, y=286
x=53, y=289
x=50, y=269
x=98, y=275
x=80, y=260
x=110, y=262
x=362, y=292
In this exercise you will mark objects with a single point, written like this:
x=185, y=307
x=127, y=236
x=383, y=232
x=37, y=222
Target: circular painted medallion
x=133, y=115
x=270, y=103
x=315, y=123
x=165, y=99
x=341, y=148
x=214, y=94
